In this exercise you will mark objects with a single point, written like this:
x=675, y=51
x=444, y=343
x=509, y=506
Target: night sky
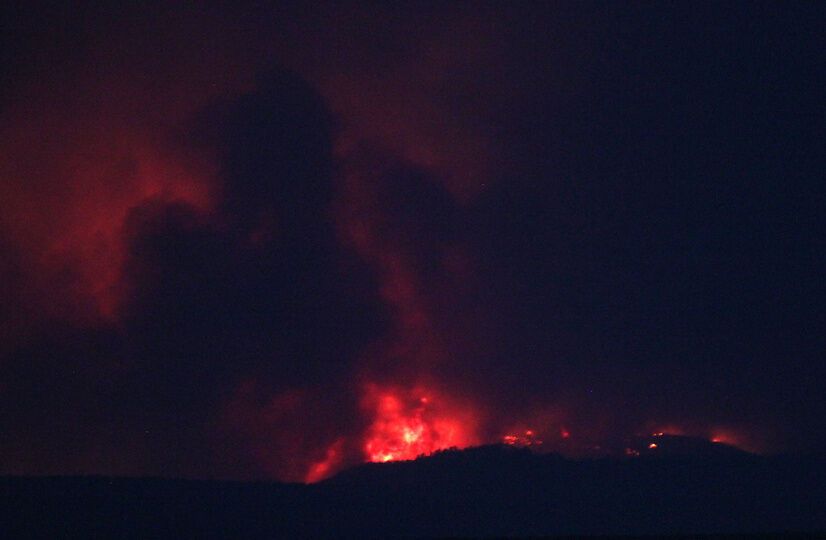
x=270, y=242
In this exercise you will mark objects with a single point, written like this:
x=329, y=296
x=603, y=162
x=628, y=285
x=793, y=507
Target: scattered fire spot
x=652, y=446
x=726, y=436
x=528, y=439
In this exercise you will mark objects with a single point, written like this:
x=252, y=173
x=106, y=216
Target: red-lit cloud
x=425, y=291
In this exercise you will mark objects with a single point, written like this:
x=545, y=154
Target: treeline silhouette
x=485, y=491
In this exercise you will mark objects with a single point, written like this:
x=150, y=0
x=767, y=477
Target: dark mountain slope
x=487, y=491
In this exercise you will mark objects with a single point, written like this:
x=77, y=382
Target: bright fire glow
x=409, y=424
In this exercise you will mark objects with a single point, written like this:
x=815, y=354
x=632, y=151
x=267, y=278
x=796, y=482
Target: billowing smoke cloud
x=244, y=242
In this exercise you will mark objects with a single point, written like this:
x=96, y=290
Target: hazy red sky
x=233, y=236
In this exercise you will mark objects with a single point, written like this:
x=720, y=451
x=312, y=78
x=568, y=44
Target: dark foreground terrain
x=488, y=491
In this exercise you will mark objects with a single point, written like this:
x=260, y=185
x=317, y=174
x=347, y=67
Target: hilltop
x=485, y=491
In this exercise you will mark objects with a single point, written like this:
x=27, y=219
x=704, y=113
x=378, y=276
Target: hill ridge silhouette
x=483, y=491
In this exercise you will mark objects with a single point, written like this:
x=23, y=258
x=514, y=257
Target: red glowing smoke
x=84, y=149
x=327, y=466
